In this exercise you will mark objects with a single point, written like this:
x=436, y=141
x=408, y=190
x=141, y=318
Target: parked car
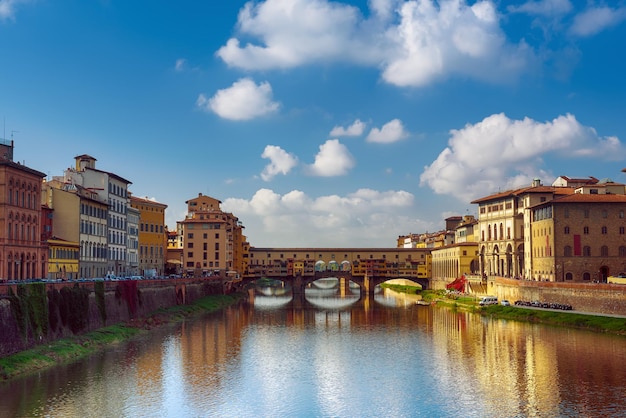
x=488, y=300
x=505, y=302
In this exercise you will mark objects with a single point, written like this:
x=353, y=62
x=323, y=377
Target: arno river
x=334, y=355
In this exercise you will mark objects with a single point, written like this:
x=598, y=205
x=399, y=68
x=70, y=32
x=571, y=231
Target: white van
x=488, y=300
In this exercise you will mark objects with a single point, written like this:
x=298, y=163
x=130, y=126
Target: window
x=622, y=251
x=566, y=230
x=604, y=251
x=586, y=276
x=568, y=276
x=586, y=251
x=190, y=245
x=586, y=213
x=621, y=230
x=190, y=235
x=604, y=230
x=585, y=230
x=190, y=254
x=567, y=251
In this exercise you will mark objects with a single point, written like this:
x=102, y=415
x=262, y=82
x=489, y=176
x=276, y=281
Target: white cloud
x=333, y=159
x=500, y=153
x=356, y=129
x=281, y=162
x=392, y=131
x=414, y=42
x=180, y=65
x=292, y=33
x=596, y=19
x=7, y=9
x=546, y=8
x=244, y=100
x=365, y=218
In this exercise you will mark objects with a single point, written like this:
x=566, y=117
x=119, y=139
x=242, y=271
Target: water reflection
x=340, y=355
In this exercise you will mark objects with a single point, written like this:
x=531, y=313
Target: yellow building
x=152, y=236
x=63, y=259
x=580, y=237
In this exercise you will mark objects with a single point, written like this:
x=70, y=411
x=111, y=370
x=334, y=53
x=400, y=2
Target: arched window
x=568, y=276
x=586, y=276
x=501, y=231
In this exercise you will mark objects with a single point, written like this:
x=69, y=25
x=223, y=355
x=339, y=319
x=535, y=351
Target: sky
x=319, y=123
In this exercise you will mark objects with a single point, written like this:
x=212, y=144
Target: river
x=334, y=355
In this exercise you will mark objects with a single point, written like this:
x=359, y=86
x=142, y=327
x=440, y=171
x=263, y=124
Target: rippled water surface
x=333, y=355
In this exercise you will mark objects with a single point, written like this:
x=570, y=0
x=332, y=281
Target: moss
x=99, y=292
x=75, y=347
x=30, y=309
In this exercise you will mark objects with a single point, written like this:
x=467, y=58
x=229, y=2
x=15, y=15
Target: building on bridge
x=410, y=263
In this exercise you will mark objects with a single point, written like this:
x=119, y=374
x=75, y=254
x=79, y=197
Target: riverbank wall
x=38, y=313
x=602, y=298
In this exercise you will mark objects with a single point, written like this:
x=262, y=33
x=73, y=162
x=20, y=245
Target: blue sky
x=319, y=123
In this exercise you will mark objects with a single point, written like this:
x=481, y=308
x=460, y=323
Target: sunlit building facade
x=22, y=254
x=152, y=236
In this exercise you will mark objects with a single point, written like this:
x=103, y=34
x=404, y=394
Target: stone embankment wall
x=37, y=313
x=585, y=297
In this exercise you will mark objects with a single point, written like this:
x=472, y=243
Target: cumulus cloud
x=596, y=19
x=244, y=100
x=364, y=218
x=281, y=162
x=292, y=33
x=333, y=159
x=356, y=129
x=392, y=131
x=498, y=152
x=414, y=42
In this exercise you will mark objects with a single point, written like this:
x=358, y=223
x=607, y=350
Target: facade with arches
x=573, y=231
x=22, y=254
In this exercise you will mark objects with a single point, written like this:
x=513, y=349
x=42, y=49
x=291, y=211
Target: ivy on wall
x=30, y=309
x=99, y=291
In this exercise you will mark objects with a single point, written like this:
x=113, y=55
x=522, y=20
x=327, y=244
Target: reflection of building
x=22, y=255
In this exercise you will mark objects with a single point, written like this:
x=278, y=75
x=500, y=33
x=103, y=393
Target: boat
x=422, y=302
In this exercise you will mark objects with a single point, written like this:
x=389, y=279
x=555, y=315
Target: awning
x=173, y=261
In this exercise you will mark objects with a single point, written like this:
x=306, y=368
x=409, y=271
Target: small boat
x=422, y=302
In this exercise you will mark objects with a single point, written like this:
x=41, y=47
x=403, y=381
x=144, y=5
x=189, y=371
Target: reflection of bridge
x=367, y=267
